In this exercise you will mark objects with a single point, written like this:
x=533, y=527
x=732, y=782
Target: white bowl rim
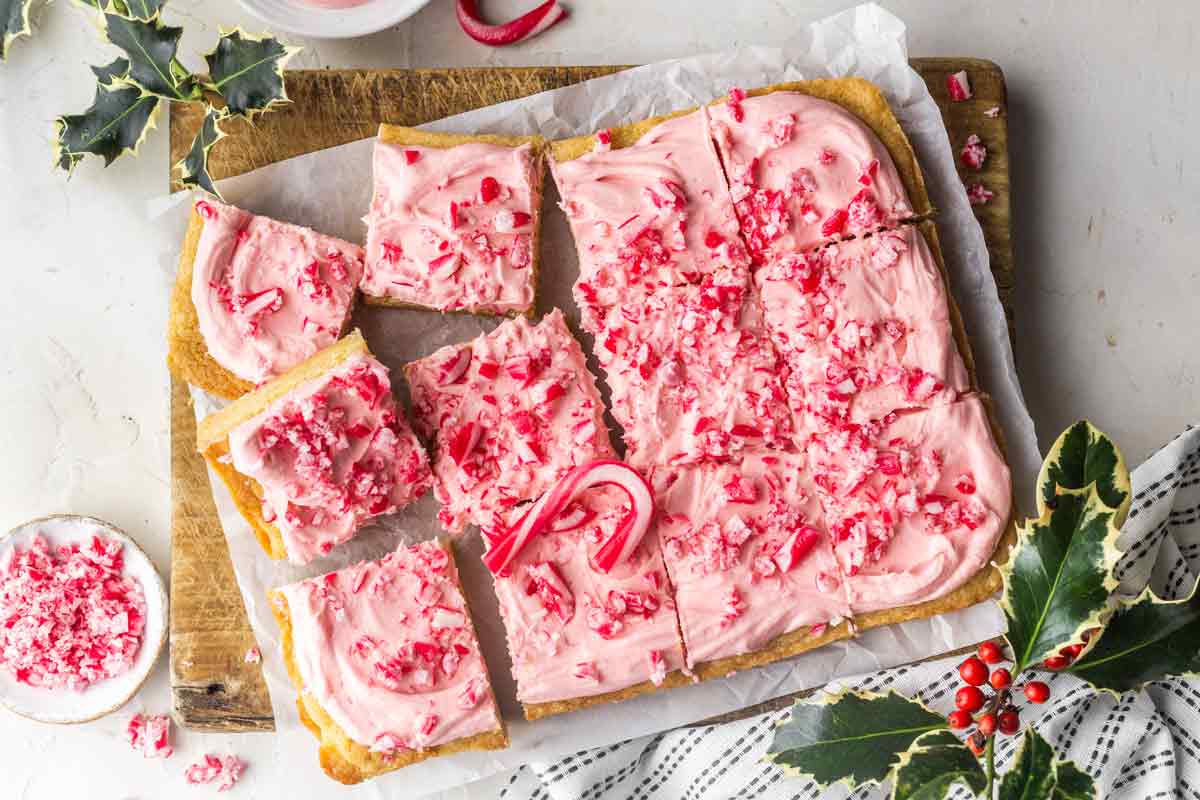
x=299, y=18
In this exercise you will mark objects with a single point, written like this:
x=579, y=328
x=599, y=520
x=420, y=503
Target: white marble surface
x=1105, y=203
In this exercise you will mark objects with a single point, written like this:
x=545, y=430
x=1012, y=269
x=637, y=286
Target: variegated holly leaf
x=150, y=47
x=14, y=23
x=1146, y=640
x=850, y=736
x=144, y=10
x=248, y=71
x=933, y=765
x=1058, y=580
x=193, y=169
x=112, y=73
x=116, y=124
x=1081, y=457
x=1032, y=776
x=1072, y=783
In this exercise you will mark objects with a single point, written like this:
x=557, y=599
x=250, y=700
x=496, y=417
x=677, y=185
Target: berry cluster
x=998, y=711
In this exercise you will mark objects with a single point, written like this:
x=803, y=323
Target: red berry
x=1055, y=662
x=976, y=743
x=987, y=724
x=969, y=698
x=959, y=719
x=1010, y=722
x=1001, y=678
x=973, y=671
x=489, y=189
x=1071, y=651
x=1036, y=692
x=991, y=653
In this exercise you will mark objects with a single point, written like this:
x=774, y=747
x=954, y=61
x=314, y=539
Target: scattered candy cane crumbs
x=978, y=195
x=992, y=112
x=150, y=735
x=253, y=656
x=221, y=770
x=958, y=86
x=974, y=152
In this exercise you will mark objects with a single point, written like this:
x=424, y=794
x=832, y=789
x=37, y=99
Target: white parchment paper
x=330, y=190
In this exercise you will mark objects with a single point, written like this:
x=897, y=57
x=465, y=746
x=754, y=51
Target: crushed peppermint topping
x=973, y=152
x=958, y=86
x=150, y=735
x=979, y=195
x=224, y=771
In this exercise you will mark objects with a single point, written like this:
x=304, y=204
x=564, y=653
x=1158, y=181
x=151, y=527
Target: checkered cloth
x=1141, y=745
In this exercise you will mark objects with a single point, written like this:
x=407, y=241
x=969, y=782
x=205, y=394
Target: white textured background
x=1105, y=205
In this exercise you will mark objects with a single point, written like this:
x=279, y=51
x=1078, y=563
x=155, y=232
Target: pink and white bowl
x=64, y=707
x=332, y=19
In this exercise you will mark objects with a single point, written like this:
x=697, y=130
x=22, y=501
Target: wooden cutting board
x=213, y=687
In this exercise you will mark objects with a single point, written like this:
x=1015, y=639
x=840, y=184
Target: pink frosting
x=388, y=650
x=692, y=376
x=574, y=631
x=330, y=455
x=803, y=171
x=864, y=326
x=512, y=412
x=268, y=295
x=748, y=555
x=915, y=504
x=654, y=214
x=452, y=228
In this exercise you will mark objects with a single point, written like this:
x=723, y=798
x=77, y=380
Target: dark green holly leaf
x=1145, y=640
x=1032, y=774
x=14, y=23
x=116, y=124
x=935, y=763
x=851, y=736
x=1058, y=579
x=1072, y=783
x=193, y=169
x=150, y=48
x=1083, y=456
x=248, y=71
x=112, y=73
x=144, y=10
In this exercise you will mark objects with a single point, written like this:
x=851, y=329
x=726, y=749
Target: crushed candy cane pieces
x=253, y=656
x=978, y=194
x=150, y=735
x=958, y=86
x=224, y=771
x=974, y=153
x=992, y=112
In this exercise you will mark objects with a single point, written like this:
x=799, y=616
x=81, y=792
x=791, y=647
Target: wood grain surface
x=213, y=688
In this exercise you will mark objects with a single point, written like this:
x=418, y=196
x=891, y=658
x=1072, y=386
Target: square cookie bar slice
x=386, y=663
x=254, y=297
x=915, y=503
x=750, y=559
x=649, y=208
x=312, y=455
x=865, y=327
x=511, y=412
x=578, y=635
x=454, y=222
x=814, y=161
x=693, y=376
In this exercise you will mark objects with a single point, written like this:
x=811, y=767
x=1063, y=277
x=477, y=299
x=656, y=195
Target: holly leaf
x=1081, y=457
x=112, y=73
x=1146, y=640
x=145, y=10
x=150, y=47
x=1072, y=783
x=1032, y=776
x=117, y=122
x=248, y=71
x=933, y=765
x=854, y=737
x=193, y=169
x=1058, y=580
x=14, y=23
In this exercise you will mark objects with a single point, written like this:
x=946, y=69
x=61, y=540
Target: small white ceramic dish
x=65, y=707
x=298, y=17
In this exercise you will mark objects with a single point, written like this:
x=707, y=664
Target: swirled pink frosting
x=512, y=412
x=452, y=228
x=330, y=455
x=269, y=295
x=574, y=631
x=389, y=651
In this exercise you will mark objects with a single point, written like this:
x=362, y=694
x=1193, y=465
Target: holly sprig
x=245, y=78
x=1059, y=600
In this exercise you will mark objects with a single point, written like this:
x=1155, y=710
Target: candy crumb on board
x=992, y=112
x=958, y=86
x=973, y=153
x=978, y=194
x=253, y=656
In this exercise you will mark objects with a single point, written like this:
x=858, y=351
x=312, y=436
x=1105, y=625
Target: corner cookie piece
x=915, y=503
x=314, y=454
x=649, y=208
x=807, y=165
x=454, y=222
x=254, y=297
x=579, y=636
x=386, y=663
x=751, y=562
x=511, y=413
x=865, y=327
